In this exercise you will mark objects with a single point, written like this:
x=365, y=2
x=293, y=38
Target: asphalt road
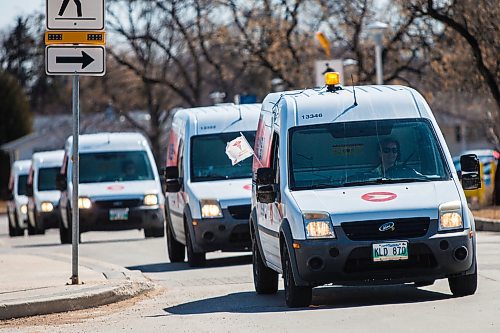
x=220, y=297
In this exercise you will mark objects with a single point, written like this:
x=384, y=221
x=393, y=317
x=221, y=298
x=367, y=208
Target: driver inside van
x=129, y=170
x=390, y=166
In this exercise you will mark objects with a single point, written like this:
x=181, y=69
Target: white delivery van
x=119, y=188
x=208, y=199
x=17, y=205
x=43, y=195
x=356, y=186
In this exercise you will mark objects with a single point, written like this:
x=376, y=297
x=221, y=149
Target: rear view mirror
x=29, y=190
x=61, y=182
x=171, y=172
x=265, y=176
x=172, y=181
x=471, y=179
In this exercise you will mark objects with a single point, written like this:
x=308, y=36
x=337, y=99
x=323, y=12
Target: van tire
x=36, y=230
x=176, y=250
x=153, y=232
x=16, y=230
x=295, y=296
x=464, y=285
x=64, y=234
x=195, y=259
x=265, y=279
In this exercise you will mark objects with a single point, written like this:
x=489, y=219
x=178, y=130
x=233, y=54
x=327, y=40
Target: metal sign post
x=75, y=225
x=75, y=45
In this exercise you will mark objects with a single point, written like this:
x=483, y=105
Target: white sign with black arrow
x=71, y=60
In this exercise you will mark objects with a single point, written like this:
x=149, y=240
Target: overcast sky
x=9, y=9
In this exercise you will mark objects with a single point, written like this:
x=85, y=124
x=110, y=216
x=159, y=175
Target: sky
x=10, y=9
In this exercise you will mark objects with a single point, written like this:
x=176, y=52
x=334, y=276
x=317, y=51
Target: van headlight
x=150, y=199
x=210, y=208
x=84, y=203
x=318, y=225
x=47, y=207
x=450, y=216
x=24, y=209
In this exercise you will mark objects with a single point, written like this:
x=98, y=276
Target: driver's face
x=389, y=154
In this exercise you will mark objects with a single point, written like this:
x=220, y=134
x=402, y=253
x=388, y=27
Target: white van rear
x=119, y=188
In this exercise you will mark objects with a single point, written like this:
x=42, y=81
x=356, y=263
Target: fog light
x=47, y=207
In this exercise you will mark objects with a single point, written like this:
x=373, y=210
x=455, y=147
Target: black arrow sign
x=85, y=60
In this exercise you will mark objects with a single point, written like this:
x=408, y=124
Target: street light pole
x=377, y=29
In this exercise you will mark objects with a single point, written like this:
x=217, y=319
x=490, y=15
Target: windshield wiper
x=386, y=181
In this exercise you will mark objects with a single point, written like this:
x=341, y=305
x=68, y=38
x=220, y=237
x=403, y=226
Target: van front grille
x=402, y=229
x=241, y=212
x=125, y=203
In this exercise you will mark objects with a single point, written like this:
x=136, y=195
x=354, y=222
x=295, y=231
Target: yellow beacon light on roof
x=332, y=78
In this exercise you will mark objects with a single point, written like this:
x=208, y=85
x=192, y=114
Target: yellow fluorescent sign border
x=75, y=37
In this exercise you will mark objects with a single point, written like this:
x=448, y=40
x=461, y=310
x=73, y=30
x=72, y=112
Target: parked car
x=208, y=198
x=356, y=186
x=119, y=188
x=17, y=205
x=43, y=195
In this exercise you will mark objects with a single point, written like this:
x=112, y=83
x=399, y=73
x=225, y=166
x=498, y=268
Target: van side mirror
x=29, y=190
x=172, y=181
x=266, y=188
x=61, y=182
x=471, y=179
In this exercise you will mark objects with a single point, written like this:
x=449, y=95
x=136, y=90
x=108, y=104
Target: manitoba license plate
x=390, y=251
x=118, y=214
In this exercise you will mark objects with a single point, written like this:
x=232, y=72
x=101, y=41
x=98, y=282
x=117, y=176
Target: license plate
x=118, y=214
x=390, y=251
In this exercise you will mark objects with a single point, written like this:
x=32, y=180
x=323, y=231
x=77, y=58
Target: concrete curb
x=484, y=224
x=95, y=296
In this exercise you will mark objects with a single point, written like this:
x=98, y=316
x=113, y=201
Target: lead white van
x=43, y=195
x=17, y=205
x=208, y=198
x=119, y=188
x=356, y=186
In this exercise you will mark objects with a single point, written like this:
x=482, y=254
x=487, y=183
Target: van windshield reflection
x=365, y=153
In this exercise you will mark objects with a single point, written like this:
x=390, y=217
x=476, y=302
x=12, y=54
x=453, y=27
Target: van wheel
x=295, y=296
x=464, y=285
x=153, y=232
x=31, y=229
x=16, y=230
x=195, y=259
x=176, y=250
x=265, y=279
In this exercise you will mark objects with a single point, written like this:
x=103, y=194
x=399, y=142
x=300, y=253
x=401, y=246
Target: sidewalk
x=35, y=285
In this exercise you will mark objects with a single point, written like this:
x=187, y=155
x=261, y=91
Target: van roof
x=109, y=142
x=21, y=166
x=221, y=118
x=48, y=158
x=373, y=102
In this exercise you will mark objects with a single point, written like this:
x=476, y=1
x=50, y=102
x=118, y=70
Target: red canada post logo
x=115, y=187
x=379, y=196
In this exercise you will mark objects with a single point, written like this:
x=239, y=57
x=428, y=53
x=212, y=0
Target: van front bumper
x=346, y=262
x=141, y=217
x=226, y=233
x=47, y=220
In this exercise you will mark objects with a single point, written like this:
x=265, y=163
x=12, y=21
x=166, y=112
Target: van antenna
x=354, y=91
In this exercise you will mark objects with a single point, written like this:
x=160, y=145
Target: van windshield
x=21, y=184
x=115, y=166
x=365, y=153
x=47, y=179
x=210, y=162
